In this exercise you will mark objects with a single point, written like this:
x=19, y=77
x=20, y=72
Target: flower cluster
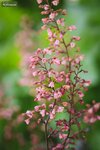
x=59, y=87
x=24, y=41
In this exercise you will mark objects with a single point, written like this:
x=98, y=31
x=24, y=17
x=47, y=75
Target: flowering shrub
x=59, y=87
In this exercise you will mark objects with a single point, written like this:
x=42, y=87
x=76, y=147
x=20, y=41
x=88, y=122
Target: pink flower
x=38, y=98
x=29, y=113
x=44, y=27
x=71, y=28
x=46, y=7
x=58, y=147
x=56, y=43
x=55, y=2
x=65, y=104
x=64, y=61
x=44, y=60
x=79, y=58
x=62, y=136
x=35, y=73
x=65, y=128
x=72, y=44
x=52, y=116
x=87, y=83
x=42, y=112
x=59, y=78
x=60, y=109
x=60, y=22
x=39, y=1
x=27, y=121
x=80, y=94
x=52, y=15
x=67, y=78
x=57, y=94
x=66, y=87
x=77, y=38
x=38, y=51
x=51, y=84
x=37, y=108
x=50, y=34
x=45, y=20
x=56, y=61
x=47, y=51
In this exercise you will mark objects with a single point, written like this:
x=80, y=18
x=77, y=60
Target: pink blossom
x=80, y=94
x=47, y=51
x=52, y=116
x=35, y=73
x=65, y=128
x=44, y=60
x=79, y=58
x=43, y=27
x=27, y=121
x=64, y=61
x=61, y=35
x=38, y=97
x=45, y=20
x=62, y=136
x=60, y=109
x=72, y=44
x=39, y=1
x=55, y=2
x=71, y=28
x=87, y=83
x=52, y=15
x=50, y=34
x=67, y=78
x=42, y=112
x=39, y=50
x=51, y=84
x=77, y=38
x=29, y=113
x=66, y=87
x=60, y=77
x=60, y=21
x=56, y=61
x=56, y=43
x=57, y=94
x=37, y=108
x=46, y=7
x=65, y=104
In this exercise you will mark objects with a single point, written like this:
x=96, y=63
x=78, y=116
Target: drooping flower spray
x=59, y=87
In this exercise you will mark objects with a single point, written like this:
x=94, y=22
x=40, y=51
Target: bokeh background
x=19, y=36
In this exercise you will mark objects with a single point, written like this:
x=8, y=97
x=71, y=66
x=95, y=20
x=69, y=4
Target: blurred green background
x=86, y=16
